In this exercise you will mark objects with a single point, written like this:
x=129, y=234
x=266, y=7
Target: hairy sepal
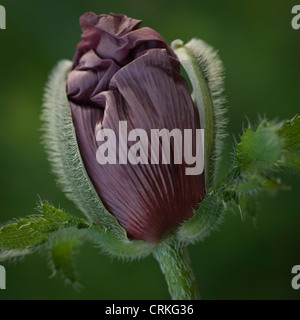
x=64, y=156
x=206, y=74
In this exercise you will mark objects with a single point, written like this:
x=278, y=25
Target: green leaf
x=270, y=147
x=259, y=149
x=25, y=235
x=255, y=184
x=290, y=133
x=273, y=185
x=58, y=232
x=248, y=205
x=63, y=246
x=260, y=156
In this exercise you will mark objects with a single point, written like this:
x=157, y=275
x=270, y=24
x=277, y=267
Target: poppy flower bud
x=123, y=74
x=125, y=136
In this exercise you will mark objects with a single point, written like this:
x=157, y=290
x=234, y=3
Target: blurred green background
x=244, y=259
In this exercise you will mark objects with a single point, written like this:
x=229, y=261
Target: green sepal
x=205, y=71
x=63, y=153
x=118, y=248
x=205, y=219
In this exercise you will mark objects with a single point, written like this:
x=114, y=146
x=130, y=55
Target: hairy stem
x=174, y=262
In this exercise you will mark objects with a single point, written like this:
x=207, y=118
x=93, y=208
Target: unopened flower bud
x=123, y=74
x=125, y=135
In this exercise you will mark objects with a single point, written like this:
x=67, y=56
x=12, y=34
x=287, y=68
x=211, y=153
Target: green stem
x=174, y=262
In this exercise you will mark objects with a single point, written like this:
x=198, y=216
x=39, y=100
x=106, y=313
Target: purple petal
x=90, y=77
x=94, y=27
x=122, y=73
x=147, y=200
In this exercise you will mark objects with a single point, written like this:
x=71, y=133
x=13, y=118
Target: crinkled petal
x=90, y=77
x=94, y=26
x=116, y=37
